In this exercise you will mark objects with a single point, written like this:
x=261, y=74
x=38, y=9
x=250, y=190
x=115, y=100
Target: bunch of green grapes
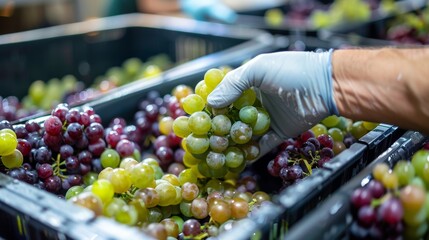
x=219, y=141
x=395, y=203
x=10, y=156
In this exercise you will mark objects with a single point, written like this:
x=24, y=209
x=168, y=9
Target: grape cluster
x=296, y=157
x=219, y=141
x=395, y=203
x=410, y=28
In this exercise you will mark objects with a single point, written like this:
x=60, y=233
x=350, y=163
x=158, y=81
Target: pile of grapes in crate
x=394, y=204
x=320, y=15
x=175, y=168
x=46, y=95
x=410, y=28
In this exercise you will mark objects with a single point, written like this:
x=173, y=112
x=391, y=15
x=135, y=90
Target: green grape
x=189, y=191
x=165, y=125
x=234, y=157
x=218, y=173
x=90, y=201
x=197, y=144
x=369, y=125
x=220, y=111
x=331, y=121
x=405, y=172
x=213, y=77
x=90, y=178
x=336, y=134
x=262, y=123
x=189, y=160
x=215, y=160
x=167, y=193
x=202, y=90
x=151, y=161
x=319, y=129
x=142, y=175
x=113, y=207
x=73, y=191
x=380, y=170
x=221, y=125
x=127, y=215
x=8, y=130
x=247, y=98
x=238, y=169
x=425, y=174
x=274, y=17
x=13, y=160
x=240, y=132
x=137, y=155
x=415, y=232
x=320, y=19
x=179, y=221
x=250, y=150
x=171, y=178
x=155, y=215
x=37, y=91
x=185, y=209
x=151, y=71
x=338, y=147
x=187, y=175
x=120, y=180
x=218, y=143
x=415, y=218
x=178, y=198
x=181, y=127
x=142, y=211
x=343, y=124
x=358, y=130
x=127, y=163
x=390, y=180
x=419, y=159
x=418, y=182
x=193, y=103
x=8, y=143
x=199, y=123
x=171, y=227
x=248, y=114
x=103, y=189
x=110, y=158
x=412, y=198
x=158, y=172
x=204, y=169
x=214, y=185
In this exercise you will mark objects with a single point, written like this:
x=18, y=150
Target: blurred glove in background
x=208, y=9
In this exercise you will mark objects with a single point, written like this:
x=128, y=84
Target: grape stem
x=57, y=167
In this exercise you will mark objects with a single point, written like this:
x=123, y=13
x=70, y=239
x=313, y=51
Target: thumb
x=229, y=89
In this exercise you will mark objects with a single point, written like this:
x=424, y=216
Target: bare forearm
x=158, y=6
x=383, y=85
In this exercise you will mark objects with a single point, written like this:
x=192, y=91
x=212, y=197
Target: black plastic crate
x=87, y=49
x=373, y=32
x=332, y=218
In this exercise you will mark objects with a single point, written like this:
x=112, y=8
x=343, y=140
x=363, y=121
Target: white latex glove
x=206, y=9
x=294, y=87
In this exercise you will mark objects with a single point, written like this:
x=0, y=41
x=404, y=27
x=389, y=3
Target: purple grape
x=272, y=169
x=94, y=132
x=118, y=128
x=17, y=173
x=20, y=131
x=84, y=169
x=118, y=121
x=173, y=140
x=43, y=155
x=165, y=155
x=161, y=141
x=97, y=148
x=31, y=177
x=308, y=150
x=112, y=138
x=176, y=168
x=143, y=124
x=84, y=157
x=24, y=147
x=60, y=112
x=376, y=188
x=306, y=135
x=325, y=141
x=68, y=140
x=315, y=142
x=82, y=143
x=178, y=155
x=358, y=232
x=133, y=133
x=84, y=119
x=191, y=227
x=322, y=161
x=32, y=126
x=283, y=174
x=75, y=130
x=153, y=96
x=27, y=166
x=95, y=118
x=326, y=152
x=96, y=165
x=53, y=125
x=33, y=138
x=74, y=180
x=391, y=211
x=53, y=184
x=53, y=142
x=367, y=216
x=66, y=151
x=125, y=148
x=361, y=197
x=72, y=163
x=151, y=112
x=44, y=170
x=281, y=160
x=294, y=172
x=73, y=116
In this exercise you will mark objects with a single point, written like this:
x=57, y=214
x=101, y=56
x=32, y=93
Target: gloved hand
x=205, y=9
x=295, y=87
